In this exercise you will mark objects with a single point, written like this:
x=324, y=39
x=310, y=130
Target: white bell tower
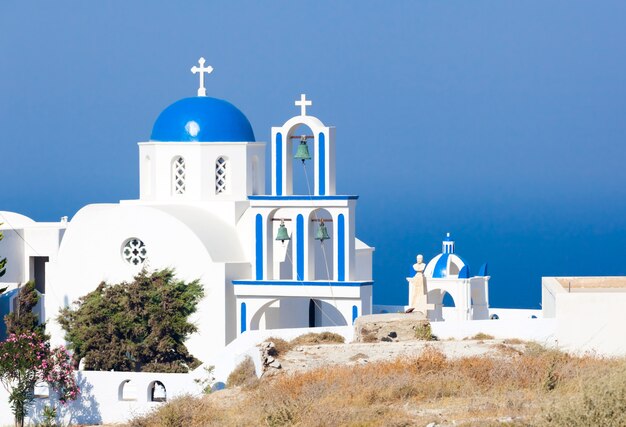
x=323, y=153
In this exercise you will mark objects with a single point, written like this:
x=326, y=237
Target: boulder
x=389, y=327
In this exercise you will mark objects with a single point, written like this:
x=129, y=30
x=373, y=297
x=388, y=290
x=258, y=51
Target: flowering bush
x=25, y=360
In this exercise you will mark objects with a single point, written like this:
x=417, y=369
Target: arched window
x=221, y=176
x=178, y=175
x=127, y=390
x=157, y=392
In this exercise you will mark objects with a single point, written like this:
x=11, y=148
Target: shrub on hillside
x=243, y=375
x=482, y=336
x=280, y=346
x=136, y=326
x=424, y=332
x=313, y=338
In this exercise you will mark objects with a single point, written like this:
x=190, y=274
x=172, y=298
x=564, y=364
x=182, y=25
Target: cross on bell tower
x=202, y=69
x=303, y=103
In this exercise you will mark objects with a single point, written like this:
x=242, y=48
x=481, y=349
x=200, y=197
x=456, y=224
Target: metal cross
x=201, y=69
x=303, y=103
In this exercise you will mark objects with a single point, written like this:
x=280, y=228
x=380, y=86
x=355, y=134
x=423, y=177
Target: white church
x=265, y=261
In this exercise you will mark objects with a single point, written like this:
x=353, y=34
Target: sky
x=501, y=122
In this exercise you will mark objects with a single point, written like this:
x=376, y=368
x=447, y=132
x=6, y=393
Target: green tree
x=3, y=264
x=136, y=326
x=23, y=320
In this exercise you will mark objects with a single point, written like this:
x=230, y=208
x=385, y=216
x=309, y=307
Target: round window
x=134, y=251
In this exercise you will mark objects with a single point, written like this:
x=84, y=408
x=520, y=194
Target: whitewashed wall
x=592, y=322
x=100, y=400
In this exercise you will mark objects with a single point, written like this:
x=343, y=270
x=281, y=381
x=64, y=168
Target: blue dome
x=202, y=119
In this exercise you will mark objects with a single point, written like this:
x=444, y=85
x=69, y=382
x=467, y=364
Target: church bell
x=282, y=234
x=303, y=150
x=322, y=232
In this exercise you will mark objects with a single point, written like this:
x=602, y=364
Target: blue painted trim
x=259, y=247
x=355, y=313
x=484, y=270
x=300, y=247
x=341, y=248
x=279, y=197
x=279, y=164
x=243, y=317
x=321, y=140
x=464, y=273
x=441, y=268
x=301, y=283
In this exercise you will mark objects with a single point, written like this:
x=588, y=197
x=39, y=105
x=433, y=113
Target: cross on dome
x=303, y=103
x=202, y=69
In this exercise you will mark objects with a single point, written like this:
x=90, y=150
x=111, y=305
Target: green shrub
x=424, y=332
x=137, y=326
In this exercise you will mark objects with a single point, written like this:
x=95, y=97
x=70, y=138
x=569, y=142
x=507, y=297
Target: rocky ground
x=303, y=358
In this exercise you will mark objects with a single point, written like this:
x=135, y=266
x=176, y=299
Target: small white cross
x=303, y=103
x=201, y=69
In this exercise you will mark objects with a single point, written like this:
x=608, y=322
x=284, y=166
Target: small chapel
x=266, y=260
x=448, y=274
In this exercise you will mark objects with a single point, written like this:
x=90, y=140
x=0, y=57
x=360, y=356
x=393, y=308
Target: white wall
x=99, y=401
x=592, y=322
x=539, y=330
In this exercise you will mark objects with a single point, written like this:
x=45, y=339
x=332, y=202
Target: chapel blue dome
x=202, y=119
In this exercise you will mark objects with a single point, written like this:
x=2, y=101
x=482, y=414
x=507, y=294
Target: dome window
x=178, y=175
x=221, y=175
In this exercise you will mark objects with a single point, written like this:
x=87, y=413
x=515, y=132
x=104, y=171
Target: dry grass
x=244, y=375
x=182, y=411
x=318, y=338
x=482, y=336
x=281, y=346
x=513, y=341
x=536, y=387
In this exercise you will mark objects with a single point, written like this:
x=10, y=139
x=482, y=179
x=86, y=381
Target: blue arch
x=300, y=247
x=321, y=142
x=341, y=248
x=243, y=317
x=279, y=164
x=259, y=246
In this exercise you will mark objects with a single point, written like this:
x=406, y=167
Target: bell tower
x=305, y=258
x=323, y=145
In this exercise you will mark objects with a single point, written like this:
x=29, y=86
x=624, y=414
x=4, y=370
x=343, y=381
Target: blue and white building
x=448, y=273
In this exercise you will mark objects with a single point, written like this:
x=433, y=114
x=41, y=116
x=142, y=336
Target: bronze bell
x=282, y=234
x=303, y=150
x=322, y=232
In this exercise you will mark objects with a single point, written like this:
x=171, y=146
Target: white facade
x=588, y=312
